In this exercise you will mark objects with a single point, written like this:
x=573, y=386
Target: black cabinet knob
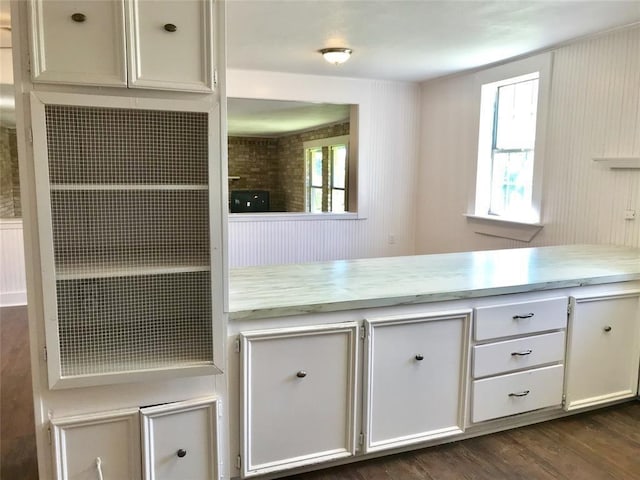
x=301, y=374
x=78, y=17
x=170, y=27
x=181, y=453
x=419, y=357
x=607, y=328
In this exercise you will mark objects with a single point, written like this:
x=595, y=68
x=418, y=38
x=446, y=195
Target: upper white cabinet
x=78, y=42
x=603, y=349
x=414, y=382
x=298, y=395
x=135, y=43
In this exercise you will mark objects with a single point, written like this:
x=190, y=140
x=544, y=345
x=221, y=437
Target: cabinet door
x=415, y=378
x=171, y=44
x=298, y=396
x=603, y=350
x=180, y=440
x=104, y=446
x=78, y=42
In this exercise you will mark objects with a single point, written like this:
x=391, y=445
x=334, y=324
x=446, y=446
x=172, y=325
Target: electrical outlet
x=629, y=214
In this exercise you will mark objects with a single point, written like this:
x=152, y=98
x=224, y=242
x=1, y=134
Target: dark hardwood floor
x=599, y=445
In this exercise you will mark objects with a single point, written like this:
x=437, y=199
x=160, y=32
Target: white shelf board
x=123, y=186
x=619, y=162
x=84, y=271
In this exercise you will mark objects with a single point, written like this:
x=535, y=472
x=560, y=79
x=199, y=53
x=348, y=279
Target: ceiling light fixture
x=336, y=55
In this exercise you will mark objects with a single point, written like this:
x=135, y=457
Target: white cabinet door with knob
x=103, y=446
x=171, y=44
x=78, y=42
x=298, y=392
x=180, y=440
x=415, y=378
x=603, y=349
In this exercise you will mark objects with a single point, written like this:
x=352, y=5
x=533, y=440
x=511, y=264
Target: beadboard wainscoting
x=13, y=285
x=387, y=156
x=594, y=111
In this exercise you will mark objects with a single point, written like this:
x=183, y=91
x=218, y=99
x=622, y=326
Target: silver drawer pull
x=524, y=315
x=301, y=374
x=521, y=354
x=520, y=394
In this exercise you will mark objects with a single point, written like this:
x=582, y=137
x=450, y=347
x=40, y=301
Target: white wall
x=13, y=284
x=388, y=153
x=594, y=111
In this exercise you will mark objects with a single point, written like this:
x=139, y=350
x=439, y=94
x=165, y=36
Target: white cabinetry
x=298, y=394
x=511, y=338
x=102, y=446
x=129, y=236
x=164, y=44
x=179, y=441
x=603, y=349
x=414, y=378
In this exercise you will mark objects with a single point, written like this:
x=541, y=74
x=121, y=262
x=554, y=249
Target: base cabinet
x=414, y=387
x=179, y=440
x=298, y=396
x=603, y=349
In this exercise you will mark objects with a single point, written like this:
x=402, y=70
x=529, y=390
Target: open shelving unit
x=127, y=197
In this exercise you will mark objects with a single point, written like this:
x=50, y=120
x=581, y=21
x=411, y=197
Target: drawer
x=517, y=393
x=511, y=355
x=522, y=318
x=180, y=440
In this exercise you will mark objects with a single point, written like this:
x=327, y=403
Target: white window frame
x=327, y=142
x=486, y=83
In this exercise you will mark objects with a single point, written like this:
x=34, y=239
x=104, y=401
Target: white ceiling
x=409, y=40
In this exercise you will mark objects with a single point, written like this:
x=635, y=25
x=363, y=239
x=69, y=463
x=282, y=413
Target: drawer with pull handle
x=498, y=321
x=511, y=355
x=517, y=393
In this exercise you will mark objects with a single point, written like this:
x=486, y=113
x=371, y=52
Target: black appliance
x=242, y=201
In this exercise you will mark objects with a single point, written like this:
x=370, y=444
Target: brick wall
x=9, y=178
x=276, y=164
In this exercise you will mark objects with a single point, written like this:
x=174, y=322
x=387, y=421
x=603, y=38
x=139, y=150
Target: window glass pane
x=315, y=200
x=337, y=201
x=339, y=156
x=316, y=167
x=511, y=183
x=516, y=115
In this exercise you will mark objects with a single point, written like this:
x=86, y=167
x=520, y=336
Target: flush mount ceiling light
x=336, y=55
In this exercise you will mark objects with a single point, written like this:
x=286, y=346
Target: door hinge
x=361, y=439
x=220, y=408
x=49, y=432
x=363, y=331
x=30, y=135
x=564, y=400
x=215, y=79
x=569, y=309
x=44, y=354
x=238, y=462
x=237, y=345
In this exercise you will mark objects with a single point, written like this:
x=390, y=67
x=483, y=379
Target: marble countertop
x=279, y=290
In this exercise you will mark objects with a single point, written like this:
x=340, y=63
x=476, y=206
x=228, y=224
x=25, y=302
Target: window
x=510, y=146
x=326, y=174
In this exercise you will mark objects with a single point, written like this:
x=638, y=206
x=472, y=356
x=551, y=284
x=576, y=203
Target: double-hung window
x=511, y=138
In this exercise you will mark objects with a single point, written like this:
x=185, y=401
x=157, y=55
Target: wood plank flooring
x=599, y=445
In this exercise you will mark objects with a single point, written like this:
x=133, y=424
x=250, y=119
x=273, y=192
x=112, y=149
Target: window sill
x=497, y=227
x=293, y=216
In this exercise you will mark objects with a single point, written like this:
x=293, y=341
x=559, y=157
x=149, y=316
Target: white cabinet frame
x=45, y=231
x=351, y=330
x=370, y=345
x=572, y=402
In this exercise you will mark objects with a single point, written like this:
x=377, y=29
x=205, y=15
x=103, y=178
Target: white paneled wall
x=388, y=149
x=13, y=286
x=594, y=111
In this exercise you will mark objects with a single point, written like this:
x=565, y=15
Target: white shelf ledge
x=619, y=162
